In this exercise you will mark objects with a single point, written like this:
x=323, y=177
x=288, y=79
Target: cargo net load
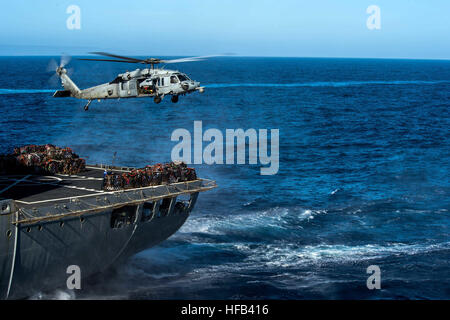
x=41, y=159
x=149, y=176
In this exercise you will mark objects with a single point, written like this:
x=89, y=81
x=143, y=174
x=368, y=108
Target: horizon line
x=242, y=56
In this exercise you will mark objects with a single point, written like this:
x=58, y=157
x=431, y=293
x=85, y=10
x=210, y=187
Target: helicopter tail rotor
x=62, y=74
x=59, y=69
x=54, y=66
x=65, y=59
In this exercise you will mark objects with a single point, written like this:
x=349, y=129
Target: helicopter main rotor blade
x=52, y=66
x=65, y=59
x=181, y=60
x=151, y=61
x=116, y=56
x=111, y=60
x=189, y=59
x=54, y=80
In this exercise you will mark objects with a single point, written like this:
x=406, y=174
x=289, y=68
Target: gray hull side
x=44, y=251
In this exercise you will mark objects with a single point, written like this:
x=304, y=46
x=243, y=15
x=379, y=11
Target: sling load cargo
x=41, y=159
x=149, y=176
x=50, y=160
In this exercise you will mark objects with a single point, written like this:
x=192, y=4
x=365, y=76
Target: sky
x=417, y=29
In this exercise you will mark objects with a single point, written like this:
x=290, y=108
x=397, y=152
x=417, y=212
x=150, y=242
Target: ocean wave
x=328, y=84
x=162, y=271
x=276, y=256
x=54, y=295
x=274, y=218
x=273, y=237
x=283, y=263
x=291, y=255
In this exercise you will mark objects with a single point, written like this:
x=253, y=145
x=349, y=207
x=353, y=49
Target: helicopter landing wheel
x=174, y=99
x=157, y=99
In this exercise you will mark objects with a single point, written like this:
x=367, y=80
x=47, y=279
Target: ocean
x=363, y=175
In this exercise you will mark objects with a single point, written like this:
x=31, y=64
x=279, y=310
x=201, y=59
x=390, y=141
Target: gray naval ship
x=51, y=222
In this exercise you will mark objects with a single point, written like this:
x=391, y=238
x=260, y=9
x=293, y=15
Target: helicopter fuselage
x=147, y=82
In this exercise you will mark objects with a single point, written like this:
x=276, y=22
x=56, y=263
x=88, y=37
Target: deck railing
x=55, y=209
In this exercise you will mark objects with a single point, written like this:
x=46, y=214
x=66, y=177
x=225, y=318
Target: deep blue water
x=363, y=179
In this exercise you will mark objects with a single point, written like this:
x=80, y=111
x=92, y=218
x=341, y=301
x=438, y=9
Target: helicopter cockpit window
x=116, y=80
x=173, y=79
x=182, y=77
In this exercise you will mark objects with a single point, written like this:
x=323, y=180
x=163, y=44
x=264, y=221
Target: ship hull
x=45, y=251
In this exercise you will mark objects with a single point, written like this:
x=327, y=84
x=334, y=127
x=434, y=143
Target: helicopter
x=148, y=82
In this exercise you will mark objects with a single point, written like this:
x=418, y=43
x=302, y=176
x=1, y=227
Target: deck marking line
x=13, y=184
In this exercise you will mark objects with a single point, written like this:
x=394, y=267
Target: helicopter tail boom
x=67, y=83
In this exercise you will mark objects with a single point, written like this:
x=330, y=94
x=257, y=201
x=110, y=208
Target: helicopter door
x=128, y=89
x=163, y=84
x=123, y=89
x=132, y=88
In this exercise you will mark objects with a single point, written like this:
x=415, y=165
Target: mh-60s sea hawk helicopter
x=148, y=82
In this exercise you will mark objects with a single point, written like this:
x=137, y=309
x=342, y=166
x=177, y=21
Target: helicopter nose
x=190, y=85
x=194, y=84
x=185, y=86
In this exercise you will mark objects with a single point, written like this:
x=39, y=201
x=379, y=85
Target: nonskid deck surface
x=39, y=197
x=29, y=189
